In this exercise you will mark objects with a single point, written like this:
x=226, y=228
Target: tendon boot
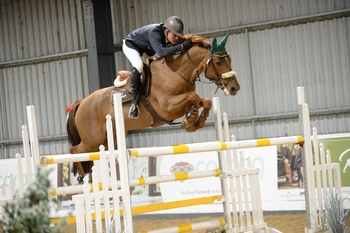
x=135, y=84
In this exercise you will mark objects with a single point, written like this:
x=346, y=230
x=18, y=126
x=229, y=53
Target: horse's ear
x=214, y=45
x=223, y=42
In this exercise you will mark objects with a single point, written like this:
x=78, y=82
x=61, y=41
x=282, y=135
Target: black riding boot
x=135, y=85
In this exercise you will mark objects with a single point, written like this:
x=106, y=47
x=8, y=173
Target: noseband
x=218, y=77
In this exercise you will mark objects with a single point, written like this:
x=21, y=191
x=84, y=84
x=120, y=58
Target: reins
x=218, y=77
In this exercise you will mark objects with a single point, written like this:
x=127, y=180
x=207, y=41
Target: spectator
x=298, y=164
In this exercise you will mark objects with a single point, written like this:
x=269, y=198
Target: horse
x=171, y=96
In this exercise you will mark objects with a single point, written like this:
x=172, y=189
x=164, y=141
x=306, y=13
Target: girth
x=157, y=120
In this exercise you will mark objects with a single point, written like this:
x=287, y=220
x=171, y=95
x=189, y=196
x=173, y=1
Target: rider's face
x=173, y=38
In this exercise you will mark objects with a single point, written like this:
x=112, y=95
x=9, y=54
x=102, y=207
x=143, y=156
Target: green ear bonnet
x=218, y=49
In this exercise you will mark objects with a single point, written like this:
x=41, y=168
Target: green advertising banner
x=339, y=147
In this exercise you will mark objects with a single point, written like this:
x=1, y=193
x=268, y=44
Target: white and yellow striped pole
x=70, y=158
x=211, y=146
x=190, y=227
x=136, y=210
x=177, y=149
x=77, y=189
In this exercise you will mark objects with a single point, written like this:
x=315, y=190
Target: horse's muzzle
x=232, y=87
x=233, y=90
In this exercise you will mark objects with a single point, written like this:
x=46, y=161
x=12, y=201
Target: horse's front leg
x=200, y=122
x=188, y=103
x=191, y=116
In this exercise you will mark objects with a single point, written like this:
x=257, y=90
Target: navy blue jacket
x=298, y=161
x=150, y=39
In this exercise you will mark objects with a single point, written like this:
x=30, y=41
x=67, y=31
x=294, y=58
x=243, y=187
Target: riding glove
x=187, y=44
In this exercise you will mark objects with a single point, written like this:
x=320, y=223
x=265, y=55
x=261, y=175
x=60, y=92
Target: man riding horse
x=171, y=91
x=154, y=40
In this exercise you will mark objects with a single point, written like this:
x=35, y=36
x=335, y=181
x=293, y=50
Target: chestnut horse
x=171, y=95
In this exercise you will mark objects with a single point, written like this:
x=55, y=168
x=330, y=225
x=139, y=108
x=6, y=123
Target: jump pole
x=305, y=129
x=26, y=148
x=190, y=227
x=113, y=171
x=77, y=189
x=222, y=159
x=136, y=210
x=211, y=146
x=71, y=158
x=177, y=149
x=123, y=162
x=33, y=134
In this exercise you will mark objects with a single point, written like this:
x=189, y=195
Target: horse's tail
x=72, y=131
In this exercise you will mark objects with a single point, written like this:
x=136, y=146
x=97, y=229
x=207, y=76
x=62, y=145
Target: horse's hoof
x=80, y=179
x=189, y=129
x=183, y=124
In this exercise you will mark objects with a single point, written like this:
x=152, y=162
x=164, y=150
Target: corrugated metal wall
x=212, y=16
x=274, y=46
x=43, y=63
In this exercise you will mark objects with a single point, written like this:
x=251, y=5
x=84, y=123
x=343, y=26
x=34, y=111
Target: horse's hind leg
x=82, y=167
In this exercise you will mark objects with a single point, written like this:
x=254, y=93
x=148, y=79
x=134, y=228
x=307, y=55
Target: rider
x=155, y=40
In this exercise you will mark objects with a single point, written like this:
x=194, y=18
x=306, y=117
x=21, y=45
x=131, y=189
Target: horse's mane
x=199, y=41
x=196, y=41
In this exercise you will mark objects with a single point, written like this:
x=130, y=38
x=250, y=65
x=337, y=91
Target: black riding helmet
x=175, y=25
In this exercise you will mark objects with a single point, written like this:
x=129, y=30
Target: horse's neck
x=189, y=64
x=199, y=57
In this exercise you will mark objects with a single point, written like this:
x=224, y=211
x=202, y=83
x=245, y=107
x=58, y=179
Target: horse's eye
x=219, y=63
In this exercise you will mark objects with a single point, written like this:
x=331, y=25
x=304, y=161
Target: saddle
x=122, y=84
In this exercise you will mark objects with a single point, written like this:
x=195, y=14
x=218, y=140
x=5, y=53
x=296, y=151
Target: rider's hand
x=187, y=44
x=206, y=43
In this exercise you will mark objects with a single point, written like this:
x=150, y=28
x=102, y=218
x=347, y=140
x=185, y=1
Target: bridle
x=218, y=77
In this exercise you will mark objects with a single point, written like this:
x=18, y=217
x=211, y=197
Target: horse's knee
x=207, y=104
